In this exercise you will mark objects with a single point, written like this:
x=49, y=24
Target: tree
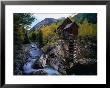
x=87, y=29
x=40, y=37
x=90, y=17
x=22, y=21
x=26, y=39
x=33, y=36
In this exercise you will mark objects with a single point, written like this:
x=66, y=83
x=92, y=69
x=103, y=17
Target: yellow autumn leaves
x=87, y=29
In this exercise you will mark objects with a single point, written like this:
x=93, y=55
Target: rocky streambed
x=36, y=64
x=54, y=59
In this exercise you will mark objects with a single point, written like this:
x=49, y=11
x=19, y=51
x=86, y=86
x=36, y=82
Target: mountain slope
x=45, y=22
x=90, y=17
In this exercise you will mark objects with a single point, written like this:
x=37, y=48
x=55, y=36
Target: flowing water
x=34, y=54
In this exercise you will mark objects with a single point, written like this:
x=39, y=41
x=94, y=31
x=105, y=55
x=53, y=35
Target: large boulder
x=37, y=65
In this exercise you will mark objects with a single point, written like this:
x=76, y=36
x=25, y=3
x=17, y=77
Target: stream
x=34, y=54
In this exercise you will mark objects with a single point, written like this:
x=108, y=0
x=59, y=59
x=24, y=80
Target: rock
x=84, y=69
x=40, y=63
x=47, y=48
x=62, y=69
x=71, y=64
x=37, y=65
x=43, y=60
x=39, y=72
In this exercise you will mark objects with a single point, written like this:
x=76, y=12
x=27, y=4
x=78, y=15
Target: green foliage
x=60, y=21
x=40, y=38
x=90, y=17
x=33, y=36
x=21, y=22
x=87, y=29
x=36, y=36
x=26, y=39
x=23, y=19
x=87, y=23
x=19, y=36
x=44, y=35
x=48, y=33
